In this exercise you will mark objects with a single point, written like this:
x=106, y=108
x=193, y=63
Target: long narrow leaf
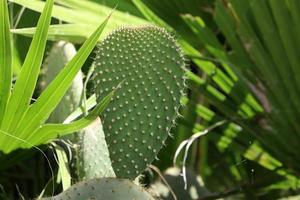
x=5, y=58
x=76, y=33
x=25, y=85
x=46, y=103
x=93, y=8
x=59, y=12
x=150, y=15
x=51, y=131
x=80, y=12
x=90, y=103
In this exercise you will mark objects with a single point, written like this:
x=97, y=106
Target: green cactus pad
x=103, y=189
x=59, y=56
x=139, y=118
x=93, y=156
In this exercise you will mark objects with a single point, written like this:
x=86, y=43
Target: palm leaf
x=5, y=58
x=40, y=110
x=25, y=85
x=83, y=17
x=21, y=120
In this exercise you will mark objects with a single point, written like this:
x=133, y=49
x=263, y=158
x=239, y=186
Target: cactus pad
x=93, y=156
x=103, y=189
x=139, y=118
x=59, y=56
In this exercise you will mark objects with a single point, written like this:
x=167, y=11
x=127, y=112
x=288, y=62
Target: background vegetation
x=241, y=112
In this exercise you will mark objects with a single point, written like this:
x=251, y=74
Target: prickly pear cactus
x=93, y=156
x=104, y=189
x=61, y=53
x=138, y=120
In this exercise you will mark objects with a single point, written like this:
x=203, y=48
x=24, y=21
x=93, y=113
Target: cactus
x=60, y=54
x=93, y=156
x=138, y=120
x=103, y=189
x=90, y=147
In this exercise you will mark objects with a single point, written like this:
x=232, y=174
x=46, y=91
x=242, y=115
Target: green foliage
x=104, y=188
x=170, y=11
x=60, y=54
x=246, y=71
x=194, y=190
x=139, y=118
x=268, y=50
x=163, y=92
x=23, y=124
x=23, y=89
x=81, y=18
x=22, y=121
x=5, y=58
x=88, y=145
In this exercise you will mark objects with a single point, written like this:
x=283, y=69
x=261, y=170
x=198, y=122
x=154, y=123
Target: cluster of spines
x=139, y=118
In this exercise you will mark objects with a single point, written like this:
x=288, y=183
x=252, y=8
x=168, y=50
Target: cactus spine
x=138, y=120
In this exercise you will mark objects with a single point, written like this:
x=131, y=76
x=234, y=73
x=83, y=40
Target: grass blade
x=64, y=174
